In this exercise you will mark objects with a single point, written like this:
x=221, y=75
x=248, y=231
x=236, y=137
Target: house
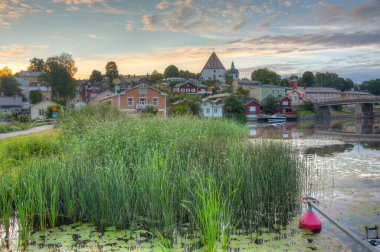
x=221, y=86
x=213, y=69
x=191, y=88
x=352, y=95
x=244, y=84
x=12, y=104
x=138, y=98
x=89, y=90
x=38, y=110
x=261, y=92
x=212, y=108
x=252, y=107
x=101, y=96
x=321, y=94
x=31, y=76
x=297, y=95
x=283, y=104
x=27, y=86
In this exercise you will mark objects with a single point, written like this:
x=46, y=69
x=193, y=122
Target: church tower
x=234, y=72
x=213, y=70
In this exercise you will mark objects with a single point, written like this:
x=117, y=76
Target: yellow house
x=258, y=91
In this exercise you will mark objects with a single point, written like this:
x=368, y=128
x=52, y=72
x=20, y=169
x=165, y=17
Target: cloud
x=14, y=50
x=149, y=22
x=130, y=25
x=15, y=9
x=162, y=5
x=366, y=12
x=94, y=36
x=72, y=8
x=77, y=2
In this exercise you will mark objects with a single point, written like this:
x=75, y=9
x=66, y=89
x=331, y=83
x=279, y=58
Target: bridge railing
x=349, y=101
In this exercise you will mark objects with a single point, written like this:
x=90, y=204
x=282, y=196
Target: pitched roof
x=248, y=83
x=21, y=81
x=247, y=100
x=10, y=101
x=31, y=74
x=321, y=90
x=213, y=63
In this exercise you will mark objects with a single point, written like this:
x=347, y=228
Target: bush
x=308, y=105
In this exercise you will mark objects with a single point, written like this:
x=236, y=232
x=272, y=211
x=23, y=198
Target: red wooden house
x=251, y=107
x=284, y=106
x=191, y=88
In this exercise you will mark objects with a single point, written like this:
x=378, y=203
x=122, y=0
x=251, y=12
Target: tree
x=5, y=71
x=171, y=71
x=96, y=76
x=372, y=86
x=59, y=76
x=308, y=105
x=270, y=104
x=36, y=65
x=64, y=60
x=333, y=80
x=156, y=76
x=266, y=76
x=35, y=96
x=111, y=71
x=228, y=77
x=308, y=79
x=9, y=86
x=233, y=105
x=284, y=82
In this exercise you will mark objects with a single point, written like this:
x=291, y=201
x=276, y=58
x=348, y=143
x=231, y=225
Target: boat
x=276, y=118
x=372, y=236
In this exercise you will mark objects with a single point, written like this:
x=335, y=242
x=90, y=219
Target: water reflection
x=310, y=129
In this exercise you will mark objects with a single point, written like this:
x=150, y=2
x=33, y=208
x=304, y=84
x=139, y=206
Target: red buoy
x=310, y=221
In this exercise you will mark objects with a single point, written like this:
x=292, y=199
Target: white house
x=38, y=110
x=213, y=70
x=212, y=108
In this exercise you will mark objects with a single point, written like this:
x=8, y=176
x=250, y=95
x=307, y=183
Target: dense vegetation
x=115, y=170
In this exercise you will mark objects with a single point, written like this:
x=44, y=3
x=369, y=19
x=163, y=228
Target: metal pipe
x=343, y=228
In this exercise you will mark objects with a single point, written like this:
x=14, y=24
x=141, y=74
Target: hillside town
x=214, y=93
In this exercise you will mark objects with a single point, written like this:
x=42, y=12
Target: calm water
x=348, y=176
x=346, y=180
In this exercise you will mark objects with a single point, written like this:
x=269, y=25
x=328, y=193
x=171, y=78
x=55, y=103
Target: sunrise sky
x=287, y=36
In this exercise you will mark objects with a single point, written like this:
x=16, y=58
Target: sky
x=286, y=36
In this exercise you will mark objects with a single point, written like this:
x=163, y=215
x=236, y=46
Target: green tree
x=96, y=76
x=308, y=79
x=270, y=104
x=171, y=71
x=179, y=109
x=59, y=76
x=36, y=65
x=111, y=71
x=156, y=76
x=194, y=103
x=35, y=96
x=284, y=82
x=9, y=86
x=266, y=76
x=64, y=60
x=372, y=86
x=5, y=71
x=233, y=105
x=228, y=77
x=308, y=105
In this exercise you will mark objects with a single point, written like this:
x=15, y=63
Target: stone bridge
x=364, y=108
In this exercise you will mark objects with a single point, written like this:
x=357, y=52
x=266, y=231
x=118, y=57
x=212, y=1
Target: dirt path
x=25, y=132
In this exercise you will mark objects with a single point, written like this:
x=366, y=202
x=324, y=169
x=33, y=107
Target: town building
x=297, y=95
x=353, y=95
x=261, y=92
x=245, y=84
x=322, y=94
x=138, y=98
x=31, y=76
x=190, y=88
x=12, y=104
x=213, y=69
x=38, y=110
x=252, y=108
x=29, y=81
x=213, y=106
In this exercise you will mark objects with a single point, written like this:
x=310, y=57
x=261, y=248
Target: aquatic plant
x=116, y=170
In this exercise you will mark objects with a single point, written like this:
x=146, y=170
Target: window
x=220, y=75
x=252, y=109
x=187, y=90
x=285, y=103
x=41, y=112
x=215, y=110
x=208, y=111
x=143, y=90
x=130, y=101
x=142, y=102
x=155, y=102
x=193, y=90
x=182, y=90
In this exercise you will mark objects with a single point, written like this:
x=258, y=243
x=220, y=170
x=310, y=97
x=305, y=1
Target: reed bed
x=115, y=170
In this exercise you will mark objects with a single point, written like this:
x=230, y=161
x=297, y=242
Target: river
x=347, y=176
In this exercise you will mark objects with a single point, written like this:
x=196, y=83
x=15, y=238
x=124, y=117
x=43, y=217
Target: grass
x=14, y=126
x=114, y=170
